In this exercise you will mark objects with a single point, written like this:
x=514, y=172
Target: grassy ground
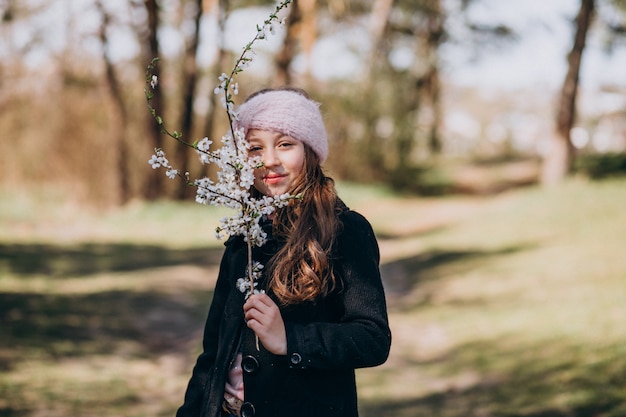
x=511, y=305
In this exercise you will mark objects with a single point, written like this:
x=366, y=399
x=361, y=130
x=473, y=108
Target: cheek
x=298, y=164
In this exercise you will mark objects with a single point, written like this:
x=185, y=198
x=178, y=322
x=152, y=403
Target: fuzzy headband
x=287, y=112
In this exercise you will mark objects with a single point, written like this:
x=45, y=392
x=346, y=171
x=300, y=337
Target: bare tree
x=378, y=26
x=379, y=29
x=428, y=41
x=288, y=50
x=301, y=30
x=308, y=32
x=189, y=78
x=417, y=107
x=119, y=112
x=558, y=161
x=221, y=8
x=155, y=184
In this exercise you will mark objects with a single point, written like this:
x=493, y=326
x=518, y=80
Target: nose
x=270, y=158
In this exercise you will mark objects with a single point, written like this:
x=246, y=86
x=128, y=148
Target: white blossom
x=159, y=160
x=231, y=187
x=244, y=285
x=154, y=161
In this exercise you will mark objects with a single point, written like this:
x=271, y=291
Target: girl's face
x=283, y=161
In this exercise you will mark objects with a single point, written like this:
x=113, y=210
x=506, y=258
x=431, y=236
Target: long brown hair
x=302, y=269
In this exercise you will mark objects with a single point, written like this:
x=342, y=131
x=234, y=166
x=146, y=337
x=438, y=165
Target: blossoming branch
x=235, y=174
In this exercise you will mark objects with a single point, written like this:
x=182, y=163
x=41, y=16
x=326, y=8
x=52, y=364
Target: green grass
x=523, y=316
x=511, y=305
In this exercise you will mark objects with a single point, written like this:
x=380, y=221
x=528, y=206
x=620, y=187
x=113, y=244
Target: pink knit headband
x=289, y=113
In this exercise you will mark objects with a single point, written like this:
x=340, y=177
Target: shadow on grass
x=140, y=324
x=143, y=322
x=57, y=325
x=501, y=377
x=485, y=401
x=554, y=378
x=402, y=276
x=68, y=261
x=508, y=379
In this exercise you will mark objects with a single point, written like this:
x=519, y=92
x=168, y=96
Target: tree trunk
x=432, y=80
x=379, y=24
x=302, y=28
x=120, y=116
x=429, y=35
x=379, y=27
x=558, y=160
x=154, y=187
x=308, y=33
x=288, y=51
x=218, y=68
x=190, y=80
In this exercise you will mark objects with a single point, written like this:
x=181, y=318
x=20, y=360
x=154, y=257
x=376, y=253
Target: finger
x=253, y=315
x=262, y=318
x=255, y=303
x=259, y=300
x=263, y=299
x=257, y=328
x=259, y=304
x=253, y=324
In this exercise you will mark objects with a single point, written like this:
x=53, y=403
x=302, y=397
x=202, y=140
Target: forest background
x=390, y=75
x=481, y=138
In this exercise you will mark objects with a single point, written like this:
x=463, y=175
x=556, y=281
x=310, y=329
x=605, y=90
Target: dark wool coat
x=326, y=340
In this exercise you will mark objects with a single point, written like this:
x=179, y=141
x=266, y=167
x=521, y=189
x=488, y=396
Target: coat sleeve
x=194, y=395
x=360, y=336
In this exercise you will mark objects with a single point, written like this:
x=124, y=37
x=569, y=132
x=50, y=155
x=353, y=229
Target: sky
x=538, y=58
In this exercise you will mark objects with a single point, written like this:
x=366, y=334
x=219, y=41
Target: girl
x=292, y=351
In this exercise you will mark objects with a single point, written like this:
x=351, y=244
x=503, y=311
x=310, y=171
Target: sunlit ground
x=511, y=305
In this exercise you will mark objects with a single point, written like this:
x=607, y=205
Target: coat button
x=247, y=410
x=296, y=358
x=249, y=364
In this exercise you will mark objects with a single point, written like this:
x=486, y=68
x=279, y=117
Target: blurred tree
x=301, y=29
x=424, y=122
x=412, y=113
x=430, y=36
x=610, y=14
x=379, y=30
x=154, y=187
x=558, y=160
x=221, y=9
x=398, y=100
x=120, y=114
x=189, y=78
x=289, y=47
x=13, y=99
x=389, y=114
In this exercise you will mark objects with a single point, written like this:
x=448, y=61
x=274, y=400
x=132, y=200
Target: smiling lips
x=273, y=178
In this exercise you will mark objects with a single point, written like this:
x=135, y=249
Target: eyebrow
x=275, y=135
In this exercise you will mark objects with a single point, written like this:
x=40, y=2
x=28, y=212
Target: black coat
x=326, y=340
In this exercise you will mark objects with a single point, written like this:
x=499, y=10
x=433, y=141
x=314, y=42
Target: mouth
x=273, y=178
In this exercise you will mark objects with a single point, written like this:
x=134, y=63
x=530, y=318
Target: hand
x=263, y=317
